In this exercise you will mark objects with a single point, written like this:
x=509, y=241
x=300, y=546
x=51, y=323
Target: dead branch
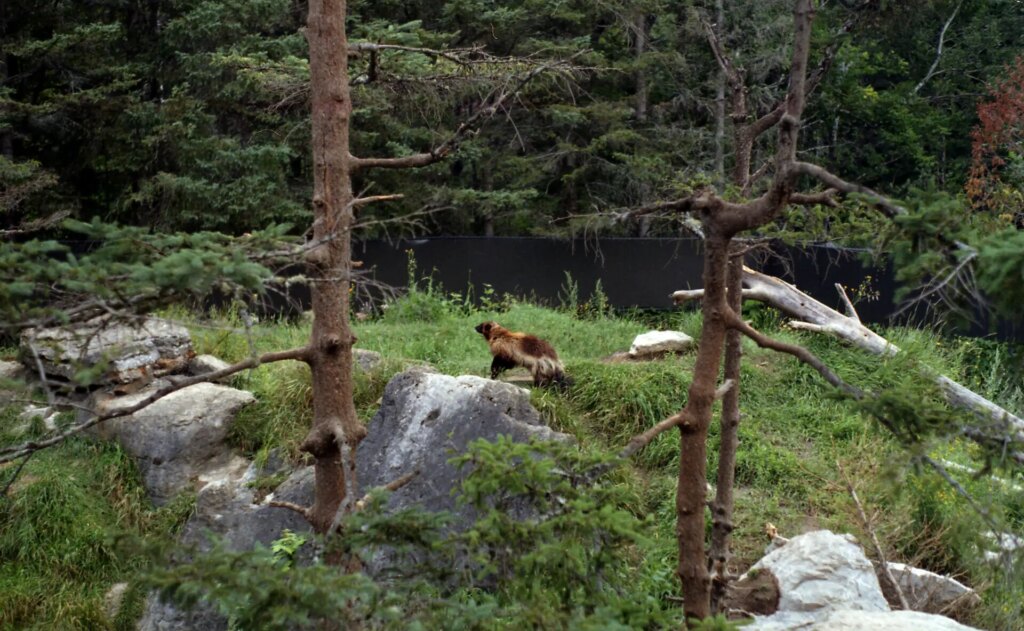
x=14, y=476
x=392, y=486
x=362, y=201
x=301, y=510
x=732, y=320
x=851, y=311
x=883, y=564
x=460, y=56
x=938, y=53
x=823, y=198
x=469, y=127
x=10, y=454
x=814, y=316
x=642, y=440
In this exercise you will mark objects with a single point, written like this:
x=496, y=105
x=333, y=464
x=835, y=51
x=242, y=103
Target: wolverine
x=512, y=348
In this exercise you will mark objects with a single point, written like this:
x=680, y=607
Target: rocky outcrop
x=366, y=360
x=424, y=418
x=823, y=581
x=153, y=347
x=176, y=439
x=224, y=511
x=11, y=371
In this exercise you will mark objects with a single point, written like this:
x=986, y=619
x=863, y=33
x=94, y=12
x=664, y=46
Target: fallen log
x=812, y=315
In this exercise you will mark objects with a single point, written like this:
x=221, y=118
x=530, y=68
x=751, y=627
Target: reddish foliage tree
x=998, y=135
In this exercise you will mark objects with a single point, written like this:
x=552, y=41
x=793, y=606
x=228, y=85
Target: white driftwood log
x=812, y=315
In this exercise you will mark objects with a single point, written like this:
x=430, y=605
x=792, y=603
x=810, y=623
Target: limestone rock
x=654, y=343
x=425, y=416
x=821, y=570
x=225, y=510
x=1002, y=544
x=12, y=371
x=826, y=583
x=153, y=347
x=205, y=364
x=848, y=620
x=113, y=600
x=366, y=360
x=929, y=592
x=177, y=437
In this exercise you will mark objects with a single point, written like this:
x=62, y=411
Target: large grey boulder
x=426, y=417
x=151, y=347
x=176, y=438
x=225, y=512
x=848, y=620
x=824, y=581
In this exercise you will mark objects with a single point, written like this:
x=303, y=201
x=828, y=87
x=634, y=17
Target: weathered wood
x=812, y=315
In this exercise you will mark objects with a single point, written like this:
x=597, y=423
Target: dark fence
x=634, y=272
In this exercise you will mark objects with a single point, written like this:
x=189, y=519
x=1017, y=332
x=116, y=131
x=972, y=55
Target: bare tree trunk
x=720, y=104
x=6, y=138
x=336, y=430
x=722, y=507
x=639, y=48
x=691, y=493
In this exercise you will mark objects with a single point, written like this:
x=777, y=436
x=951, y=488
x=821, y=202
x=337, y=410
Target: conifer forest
x=218, y=413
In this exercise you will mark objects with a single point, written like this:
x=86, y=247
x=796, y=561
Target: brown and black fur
x=511, y=349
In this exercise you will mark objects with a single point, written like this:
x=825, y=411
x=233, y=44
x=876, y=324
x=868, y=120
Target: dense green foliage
x=191, y=114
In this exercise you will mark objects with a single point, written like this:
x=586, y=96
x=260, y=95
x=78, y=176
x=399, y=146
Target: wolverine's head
x=485, y=328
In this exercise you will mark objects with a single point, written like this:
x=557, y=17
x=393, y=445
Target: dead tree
x=748, y=127
x=721, y=222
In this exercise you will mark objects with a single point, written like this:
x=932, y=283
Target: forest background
x=193, y=114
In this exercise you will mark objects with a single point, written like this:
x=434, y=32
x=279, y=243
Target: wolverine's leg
x=500, y=364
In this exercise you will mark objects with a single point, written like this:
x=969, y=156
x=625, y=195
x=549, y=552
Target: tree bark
x=335, y=429
x=721, y=221
x=720, y=104
x=641, y=32
x=722, y=506
x=692, y=488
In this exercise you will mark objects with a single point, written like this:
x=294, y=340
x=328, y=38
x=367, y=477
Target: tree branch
x=469, y=127
x=819, y=318
x=10, y=454
x=301, y=510
x=883, y=564
x=823, y=198
x=640, y=441
x=938, y=52
x=732, y=320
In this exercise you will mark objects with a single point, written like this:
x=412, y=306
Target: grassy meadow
x=59, y=526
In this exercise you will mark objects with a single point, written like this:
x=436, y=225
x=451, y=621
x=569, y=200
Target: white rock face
x=658, y=342
x=930, y=592
x=827, y=584
x=1004, y=544
x=154, y=347
x=821, y=571
x=176, y=438
x=205, y=364
x=889, y=621
x=12, y=371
